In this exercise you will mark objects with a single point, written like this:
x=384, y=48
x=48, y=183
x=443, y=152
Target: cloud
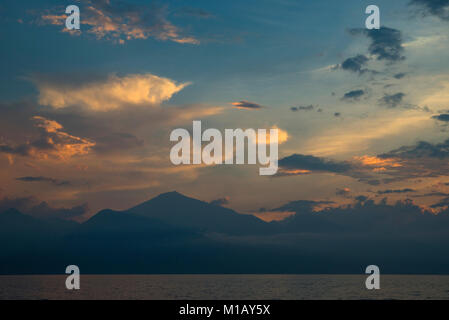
x=302, y=206
x=355, y=64
x=345, y=192
x=302, y=108
x=246, y=105
x=442, y=117
x=393, y=100
x=422, y=149
x=52, y=143
x=121, y=21
x=53, y=181
x=365, y=169
x=220, y=201
x=353, y=95
x=378, y=163
x=31, y=206
x=112, y=93
x=421, y=160
x=386, y=43
x=399, y=75
x=358, y=136
x=282, y=136
x=438, y=8
x=389, y=191
x=299, y=164
x=441, y=204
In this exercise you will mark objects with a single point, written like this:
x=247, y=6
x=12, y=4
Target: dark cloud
x=399, y=75
x=386, y=43
x=298, y=164
x=302, y=108
x=432, y=194
x=422, y=149
x=246, y=105
x=373, y=182
x=21, y=150
x=390, y=191
x=442, y=117
x=361, y=199
x=345, y=192
x=220, y=201
x=353, y=95
x=441, y=203
x=301, y=206
x=55, y=182
x=421, y=160
x=31, y=206
x=438, y=8
x=355, y=64
x=290, y=164
x=392, y=100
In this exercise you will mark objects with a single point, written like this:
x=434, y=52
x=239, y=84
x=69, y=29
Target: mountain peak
x=179, y=210
x=167, y=199
x=171, y=194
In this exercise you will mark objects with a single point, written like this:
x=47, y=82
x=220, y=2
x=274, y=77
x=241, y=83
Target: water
x=224, y=287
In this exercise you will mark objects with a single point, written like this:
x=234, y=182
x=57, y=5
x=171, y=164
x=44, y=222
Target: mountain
x=178, y=210
x=172, y=233
x=13, y=223
x=28, y=244
x=118, y=224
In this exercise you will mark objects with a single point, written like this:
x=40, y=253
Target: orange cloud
x=54, y=19
x=113, y=21
x=52, y=143
x=62, y=145
x=379, y=164
x=269, y=216
x=293, y=172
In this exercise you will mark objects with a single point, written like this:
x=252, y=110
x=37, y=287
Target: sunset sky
x=85, y=116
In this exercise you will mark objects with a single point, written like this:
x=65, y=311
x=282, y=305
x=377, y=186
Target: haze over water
x=225, y=287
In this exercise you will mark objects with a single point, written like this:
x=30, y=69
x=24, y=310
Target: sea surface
x=225, y=287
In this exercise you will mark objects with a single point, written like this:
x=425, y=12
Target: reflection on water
x=286, y=287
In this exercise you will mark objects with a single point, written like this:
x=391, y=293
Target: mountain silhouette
x=178, y=210
x=13, y=223
x=173, y=233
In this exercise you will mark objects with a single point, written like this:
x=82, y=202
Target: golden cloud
x=113, y=93
x=282, y=136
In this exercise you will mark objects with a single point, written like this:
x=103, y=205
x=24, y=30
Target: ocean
x=225, y=287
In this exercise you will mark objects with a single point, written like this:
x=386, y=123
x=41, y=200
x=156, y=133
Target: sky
x=86, y=115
